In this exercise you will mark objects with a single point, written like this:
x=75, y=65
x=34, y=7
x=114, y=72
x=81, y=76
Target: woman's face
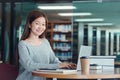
x=38, y=26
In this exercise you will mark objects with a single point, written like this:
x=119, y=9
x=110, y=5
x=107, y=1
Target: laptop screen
x=84, y=51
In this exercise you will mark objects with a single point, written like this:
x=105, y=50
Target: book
x=95, y=66
x=64, y=71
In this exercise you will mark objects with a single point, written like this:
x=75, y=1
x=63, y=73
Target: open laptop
x=84, y=51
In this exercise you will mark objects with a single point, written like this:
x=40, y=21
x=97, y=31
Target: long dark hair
x=31, y=17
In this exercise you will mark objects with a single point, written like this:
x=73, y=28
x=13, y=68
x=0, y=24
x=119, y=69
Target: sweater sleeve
x=27, y=62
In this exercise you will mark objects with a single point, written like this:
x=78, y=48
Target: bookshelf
x=102, y=45
x=75, y=42
x=94, y=41
x=115, y=42
x=85, y=39
x=60, y=36
x=98, y=37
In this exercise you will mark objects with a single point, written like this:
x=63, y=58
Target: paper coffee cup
x=85, y=65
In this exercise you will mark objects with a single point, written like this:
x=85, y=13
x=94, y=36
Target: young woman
x=35, y=52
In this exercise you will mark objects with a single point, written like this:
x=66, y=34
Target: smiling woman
x=34, y=49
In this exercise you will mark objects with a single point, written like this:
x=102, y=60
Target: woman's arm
x=54, y=59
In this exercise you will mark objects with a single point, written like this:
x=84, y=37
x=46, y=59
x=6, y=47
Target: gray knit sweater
x=34, y=58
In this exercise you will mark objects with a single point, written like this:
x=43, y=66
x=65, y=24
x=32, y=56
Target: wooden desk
x=78, y=75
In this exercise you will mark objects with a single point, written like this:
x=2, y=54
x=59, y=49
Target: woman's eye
x=37, y=23
x=43, y=24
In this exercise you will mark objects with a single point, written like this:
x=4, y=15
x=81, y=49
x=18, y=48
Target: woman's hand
x=67, y=65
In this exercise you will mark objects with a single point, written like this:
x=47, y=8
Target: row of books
x=62, y=46
x=63, y=27
x=60, y=37
x=64, y=55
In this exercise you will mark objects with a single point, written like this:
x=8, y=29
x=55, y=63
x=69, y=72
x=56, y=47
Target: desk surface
x=99, y=74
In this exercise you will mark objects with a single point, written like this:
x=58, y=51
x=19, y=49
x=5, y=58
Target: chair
x=8, y=72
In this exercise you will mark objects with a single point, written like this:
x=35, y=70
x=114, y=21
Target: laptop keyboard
x=69, y=68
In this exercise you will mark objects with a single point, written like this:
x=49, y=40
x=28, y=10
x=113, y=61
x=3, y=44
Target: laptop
x=84, y=51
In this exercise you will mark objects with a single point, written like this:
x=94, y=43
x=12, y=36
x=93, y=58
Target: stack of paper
x=95, y=66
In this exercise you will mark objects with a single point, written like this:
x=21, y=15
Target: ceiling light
x=56, y=7
x=74, y=14
x=100, y=24
x=89, y=20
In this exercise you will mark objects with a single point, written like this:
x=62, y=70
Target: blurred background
x=73, y=23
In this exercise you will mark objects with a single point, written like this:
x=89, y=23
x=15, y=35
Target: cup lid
x=84, y=57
